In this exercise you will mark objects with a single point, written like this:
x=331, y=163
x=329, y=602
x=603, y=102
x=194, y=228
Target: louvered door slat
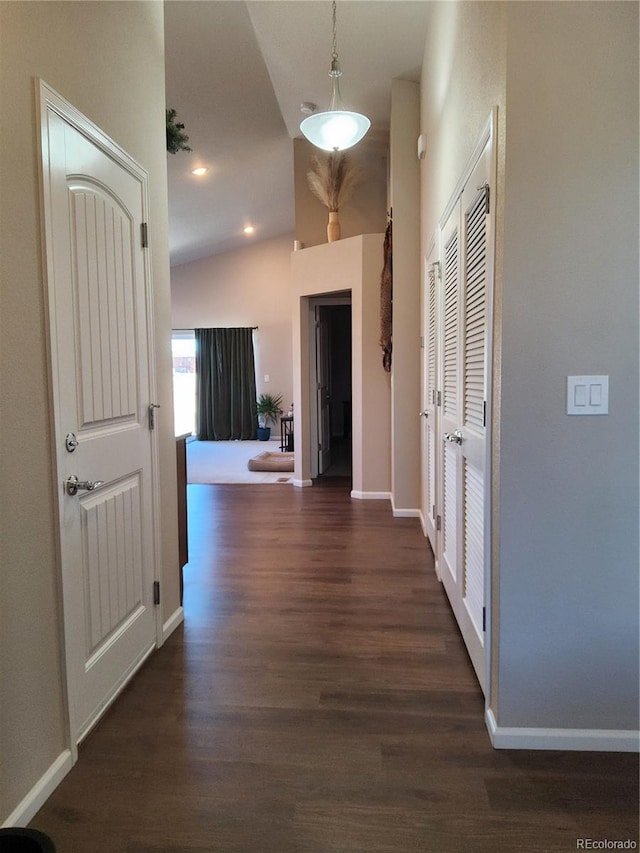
x=449, y=492
x=431, y=335
x=473, y=544
x=450, y=372
x=475, y=312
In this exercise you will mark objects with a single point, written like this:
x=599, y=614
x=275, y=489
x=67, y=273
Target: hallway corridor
x=319, y=699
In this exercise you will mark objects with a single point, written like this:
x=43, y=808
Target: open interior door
x=101, y=350
x=323, y=368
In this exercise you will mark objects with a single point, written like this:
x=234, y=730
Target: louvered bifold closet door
x=429, y=401
x=450, y=410
x=474, y=395
x=463, y=301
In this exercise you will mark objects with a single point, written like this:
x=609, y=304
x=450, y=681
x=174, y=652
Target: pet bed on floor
x=269, y=461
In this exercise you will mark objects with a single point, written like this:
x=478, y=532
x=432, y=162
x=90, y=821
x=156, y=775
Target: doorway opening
x=331, y=371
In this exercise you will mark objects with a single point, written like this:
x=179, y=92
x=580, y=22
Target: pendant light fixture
x=337, y=128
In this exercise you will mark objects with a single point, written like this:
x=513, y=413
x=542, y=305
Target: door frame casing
x=49, y=101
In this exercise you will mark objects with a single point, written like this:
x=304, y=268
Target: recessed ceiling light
x=248, y=229
x=201, y=170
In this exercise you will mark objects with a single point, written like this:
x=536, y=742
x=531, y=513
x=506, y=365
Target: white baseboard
x=302, y=484
x=423, y=523
x=176, y=618
x=406, y=513
x=587, y=740
x=41, y=791
x=371, y=496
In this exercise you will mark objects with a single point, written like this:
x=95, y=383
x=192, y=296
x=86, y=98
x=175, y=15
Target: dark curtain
x=226, y=384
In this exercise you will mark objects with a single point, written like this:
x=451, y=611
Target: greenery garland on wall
x=176, y=137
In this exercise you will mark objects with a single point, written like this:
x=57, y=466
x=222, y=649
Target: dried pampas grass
x=333, y=179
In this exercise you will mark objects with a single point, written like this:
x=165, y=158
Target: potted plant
x=268, y=406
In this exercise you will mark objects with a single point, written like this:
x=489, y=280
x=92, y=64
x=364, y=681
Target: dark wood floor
x=319, y=700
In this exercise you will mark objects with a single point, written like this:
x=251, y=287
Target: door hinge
x=484, y=618
x=487, y=195
x=144, y=235
x=438, y=522
x=156, y=592
x=438, y=268
x=484, y=413
x=439, y=398
x=433, y=511
x=421, y=341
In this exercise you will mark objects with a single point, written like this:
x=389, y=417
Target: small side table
x=286, y=433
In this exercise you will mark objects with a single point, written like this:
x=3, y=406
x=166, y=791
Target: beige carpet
x=226, y=462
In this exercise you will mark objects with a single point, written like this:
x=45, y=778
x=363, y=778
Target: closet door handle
x=72, y=485
x=454, y=437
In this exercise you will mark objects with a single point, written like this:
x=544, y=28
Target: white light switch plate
x=587, y=395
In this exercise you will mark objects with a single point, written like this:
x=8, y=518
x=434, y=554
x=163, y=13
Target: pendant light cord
x=334, y=52
x=334, y=71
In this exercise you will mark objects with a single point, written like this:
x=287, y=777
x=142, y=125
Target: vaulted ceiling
x=237, y=73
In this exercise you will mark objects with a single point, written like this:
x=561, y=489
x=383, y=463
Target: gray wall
x=463, y=77
x=404, y=187
x=108, y=60
x=564, y=571
x=568, y=507
x=364, y=213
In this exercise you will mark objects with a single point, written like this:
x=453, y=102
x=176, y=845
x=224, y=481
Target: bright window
x=183, y=346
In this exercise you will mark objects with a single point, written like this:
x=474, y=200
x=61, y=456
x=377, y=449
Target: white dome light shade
x=335, y=130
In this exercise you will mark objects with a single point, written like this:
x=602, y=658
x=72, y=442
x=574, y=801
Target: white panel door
x=429, y=400
x=100, y=335
x=463, y=333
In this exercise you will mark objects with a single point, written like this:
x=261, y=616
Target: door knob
x=454, y=437
x=424, y=413
x=73, y=485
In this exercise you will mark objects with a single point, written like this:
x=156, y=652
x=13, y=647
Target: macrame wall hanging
x=386, y=299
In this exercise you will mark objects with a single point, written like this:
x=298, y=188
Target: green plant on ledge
x=176, y=137
x=268, y=406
